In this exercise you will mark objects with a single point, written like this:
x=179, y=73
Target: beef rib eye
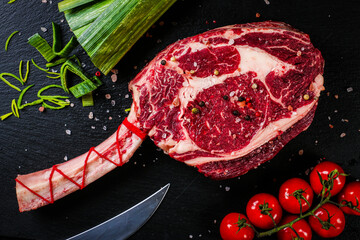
x=224, y=101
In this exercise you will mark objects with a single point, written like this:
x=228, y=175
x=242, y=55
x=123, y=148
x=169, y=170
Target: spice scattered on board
x=349, y=89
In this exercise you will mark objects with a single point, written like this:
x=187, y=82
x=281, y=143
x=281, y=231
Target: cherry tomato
x=333, y=221
x=324, y=169
x=350, y=194
x=301, y=227
x=230, y=225
x=292, y=191
x=258, y=207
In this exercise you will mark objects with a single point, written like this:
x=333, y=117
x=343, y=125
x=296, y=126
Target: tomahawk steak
x=223, y=101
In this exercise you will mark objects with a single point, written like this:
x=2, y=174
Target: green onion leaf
x=22, y=95
x=7, y=82
x=8, y=40
x=53, y=77
x=55, y=99
x=27, y=71
x=50, y=97
x=36, y=102
x=3, y=117
x=24, y=79
x=127, y=110
x=42, y=46
x=87, y=100
x=11, y=1
x=38, y=67
x=47, y=70
x=15, y=109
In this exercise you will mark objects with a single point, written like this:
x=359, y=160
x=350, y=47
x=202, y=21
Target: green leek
x=88, y=85
x=56, y=48
x=110, y=29
x=87, y=100
x=42, y=46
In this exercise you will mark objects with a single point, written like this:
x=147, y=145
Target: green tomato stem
x=310, y=213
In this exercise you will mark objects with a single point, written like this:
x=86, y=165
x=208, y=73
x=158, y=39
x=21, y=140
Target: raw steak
x=224, y=101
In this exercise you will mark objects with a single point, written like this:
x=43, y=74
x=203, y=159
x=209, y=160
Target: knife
x=126, y=223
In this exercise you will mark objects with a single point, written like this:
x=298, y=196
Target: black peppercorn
x=241, y=99
x=247, y=117
x=235, y=113
x=163, y=62
x=225, y=97
x=201, y=103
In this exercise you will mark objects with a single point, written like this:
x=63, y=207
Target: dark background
x=194, y=205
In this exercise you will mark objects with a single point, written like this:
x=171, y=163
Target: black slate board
x=194, y=205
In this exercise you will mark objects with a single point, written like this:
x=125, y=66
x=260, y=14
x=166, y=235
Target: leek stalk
x=107, y=29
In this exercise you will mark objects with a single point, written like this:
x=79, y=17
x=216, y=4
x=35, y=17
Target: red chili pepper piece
x=98, y=73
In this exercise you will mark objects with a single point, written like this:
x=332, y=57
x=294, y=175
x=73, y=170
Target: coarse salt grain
x=92, y=127
x=349, y=89
x=43, y=29
x=66, y=158
x=342, y=135
x=267, y=2
x=91, y=115
x=113, y=102
x=72, y=104
x=104, y=128
x=68, y=131
x=227, y=189
x=113, y=77
x=127, y=96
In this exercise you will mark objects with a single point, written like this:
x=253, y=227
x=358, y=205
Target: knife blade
x=126, y=223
